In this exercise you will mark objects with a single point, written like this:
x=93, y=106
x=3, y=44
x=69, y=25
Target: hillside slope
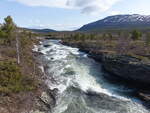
x=119, y=22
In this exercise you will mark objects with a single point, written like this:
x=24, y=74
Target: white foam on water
x=35, y=48
x=82, y=78
x=87, y=73
x=89, y=82
x=85, y=80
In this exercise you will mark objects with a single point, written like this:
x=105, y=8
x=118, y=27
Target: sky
x=67, y=14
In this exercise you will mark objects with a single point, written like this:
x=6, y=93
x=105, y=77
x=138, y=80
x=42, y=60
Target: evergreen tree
x=2, y=34
x=8, y=30
x=136, y=35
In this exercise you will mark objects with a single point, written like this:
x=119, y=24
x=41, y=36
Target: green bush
x=136, y=35
x=7, y=31
x=2, y=34
x=12, y=80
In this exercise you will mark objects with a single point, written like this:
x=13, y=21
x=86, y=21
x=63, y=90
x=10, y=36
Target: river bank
x=80, y=84
x=126, y=69
x=72, y=82
x=29, y=93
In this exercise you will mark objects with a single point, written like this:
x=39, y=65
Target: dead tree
x=17, y=48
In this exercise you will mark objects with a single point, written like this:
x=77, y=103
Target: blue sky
x=67, y=14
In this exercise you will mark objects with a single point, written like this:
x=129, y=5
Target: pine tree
x=136, y=35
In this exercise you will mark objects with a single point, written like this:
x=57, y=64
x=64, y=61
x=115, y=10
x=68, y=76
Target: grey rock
x=127, y=67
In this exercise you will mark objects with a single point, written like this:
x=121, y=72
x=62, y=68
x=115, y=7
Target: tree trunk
x=17, y=49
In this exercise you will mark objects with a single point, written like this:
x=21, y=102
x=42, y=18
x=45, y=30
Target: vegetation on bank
x=125, y=42
x=17, y=66
x=12, y=79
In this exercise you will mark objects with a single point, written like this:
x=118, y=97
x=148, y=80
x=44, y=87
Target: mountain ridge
x=118, y=21
x=41, y=30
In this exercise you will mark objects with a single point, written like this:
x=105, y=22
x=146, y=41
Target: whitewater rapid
x=82, y=87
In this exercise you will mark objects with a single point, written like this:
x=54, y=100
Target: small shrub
x=136, y=35
x=12, y=80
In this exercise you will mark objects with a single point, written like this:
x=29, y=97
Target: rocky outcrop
x=46, y=102
x=128, y=68
x=145, y=97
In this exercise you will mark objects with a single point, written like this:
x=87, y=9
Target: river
x=81, y=84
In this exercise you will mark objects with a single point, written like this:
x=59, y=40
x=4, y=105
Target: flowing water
x=82, y=87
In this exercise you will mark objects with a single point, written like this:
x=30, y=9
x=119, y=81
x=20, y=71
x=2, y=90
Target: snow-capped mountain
x=119, y=21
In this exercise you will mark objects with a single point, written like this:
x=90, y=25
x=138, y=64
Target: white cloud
x=86, y=6
x=40, y=25
x=59, y=27
x=46, y=3
x=115, y=12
